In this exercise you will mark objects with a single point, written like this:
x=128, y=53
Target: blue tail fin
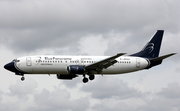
x=152, y=48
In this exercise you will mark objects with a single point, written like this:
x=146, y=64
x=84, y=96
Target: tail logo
x=149, y=48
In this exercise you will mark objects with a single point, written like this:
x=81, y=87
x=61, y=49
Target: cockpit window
x=15, y=60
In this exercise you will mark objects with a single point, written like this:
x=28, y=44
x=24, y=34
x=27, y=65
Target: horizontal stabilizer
x=158, y=60
x=162, y=57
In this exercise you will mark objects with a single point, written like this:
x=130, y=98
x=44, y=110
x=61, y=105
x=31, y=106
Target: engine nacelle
x=75, y=69
x=66, y=76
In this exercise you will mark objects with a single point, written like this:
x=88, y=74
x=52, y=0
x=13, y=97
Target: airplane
x=69, y=67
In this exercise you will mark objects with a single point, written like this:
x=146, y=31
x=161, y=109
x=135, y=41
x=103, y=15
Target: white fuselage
x=45, y=64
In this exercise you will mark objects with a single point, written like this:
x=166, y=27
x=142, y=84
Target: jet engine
x=75, y=69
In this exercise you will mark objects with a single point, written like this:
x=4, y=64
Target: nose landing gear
x=21, y=74
x=22, y=78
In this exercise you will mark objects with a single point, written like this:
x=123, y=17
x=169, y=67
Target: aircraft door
x=138, y=63
x=28, y=61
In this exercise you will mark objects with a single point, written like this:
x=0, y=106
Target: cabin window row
x=51, y=61
x=78, y=61
x=66, y=61
x=124, y=62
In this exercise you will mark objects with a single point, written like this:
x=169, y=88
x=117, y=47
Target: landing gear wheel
x=85, y=80
x=22, y=78
x=91, y=77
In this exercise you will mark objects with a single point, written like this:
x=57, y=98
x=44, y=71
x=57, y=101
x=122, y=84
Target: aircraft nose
x=10, y=66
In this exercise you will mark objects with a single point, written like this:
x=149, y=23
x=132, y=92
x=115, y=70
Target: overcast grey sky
x=89, y=27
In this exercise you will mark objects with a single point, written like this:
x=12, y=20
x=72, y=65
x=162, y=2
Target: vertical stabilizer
x=152, y=48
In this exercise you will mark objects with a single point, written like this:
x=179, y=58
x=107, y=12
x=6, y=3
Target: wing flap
x=109, y=63
x=105, y=63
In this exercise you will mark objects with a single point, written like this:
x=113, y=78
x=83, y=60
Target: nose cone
x=10, y=66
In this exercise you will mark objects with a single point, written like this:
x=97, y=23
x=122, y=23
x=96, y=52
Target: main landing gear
x=85, y=80
x=91, y=77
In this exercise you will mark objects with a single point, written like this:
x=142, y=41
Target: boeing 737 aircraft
x=69, y=67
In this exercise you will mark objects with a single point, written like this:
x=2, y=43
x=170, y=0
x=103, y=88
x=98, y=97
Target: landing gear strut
x=85, y=80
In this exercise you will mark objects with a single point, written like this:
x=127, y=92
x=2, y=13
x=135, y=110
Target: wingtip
x=173, y=54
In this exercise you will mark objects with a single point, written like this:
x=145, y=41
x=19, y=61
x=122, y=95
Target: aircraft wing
x=103, y=64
